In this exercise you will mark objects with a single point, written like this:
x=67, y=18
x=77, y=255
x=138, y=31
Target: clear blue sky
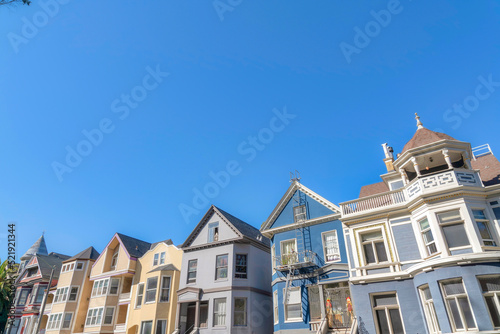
x=87, y=64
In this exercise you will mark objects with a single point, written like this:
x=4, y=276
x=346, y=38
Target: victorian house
x=225, y=276
x=309, y=264
x=423, y=244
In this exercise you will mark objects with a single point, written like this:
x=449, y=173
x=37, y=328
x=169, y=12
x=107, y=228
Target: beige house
x=154, y=298
x=66, y=307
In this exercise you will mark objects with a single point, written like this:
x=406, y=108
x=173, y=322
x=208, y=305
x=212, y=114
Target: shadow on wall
x=361, y=327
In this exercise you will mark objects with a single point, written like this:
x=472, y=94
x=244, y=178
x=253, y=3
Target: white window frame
x=162, y=258
x=140, y=296
x=323, y=234
x=166, y=326
x=461, y=221
x=94, y=317
x=156, y=258
x=217, y=278
x=39, y=288
x=76, y=293
x=488, y=225
x=117, y=288
x=64, y=319
x=146, y=301
x=142, y=326
x=114, y=258
x=285, y=305
x=54, y=321
x=384, y=239
x=300, y=216
x=236, y=265
x=216, y=313
x=245, y=312
x=192, y=280
x=427, y=245
x=273, y=258
x=494, y=294
x=20, y=301
x=275, y=307
x=386, y=308
x=213, y=232
x=61, y=295
x=290, y=257
x=396, y=181
x=112, y=315
x=100, y=288
x=162, y=288
x=455, y=298
x=79, y=263
x=429, y=310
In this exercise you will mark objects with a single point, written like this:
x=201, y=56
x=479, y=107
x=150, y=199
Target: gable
x=314, y=209
x=103, y=262
x=225, y=231
x=33, y=260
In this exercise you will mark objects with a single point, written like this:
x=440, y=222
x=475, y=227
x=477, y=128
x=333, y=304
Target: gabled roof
x=134, y=247
x=87, y=254
x=39, y=247
x=165, y=267
x=241, y=228
x=288, y=196
x=425, y=136
x=168, y=242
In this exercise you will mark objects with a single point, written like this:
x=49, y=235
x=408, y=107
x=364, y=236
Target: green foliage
x=7, y=279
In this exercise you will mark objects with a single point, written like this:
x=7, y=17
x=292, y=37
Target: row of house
x=418, y=252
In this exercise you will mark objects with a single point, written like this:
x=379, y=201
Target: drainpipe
x=42, y=308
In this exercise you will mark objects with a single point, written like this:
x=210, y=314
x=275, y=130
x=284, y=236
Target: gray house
x=225, y=282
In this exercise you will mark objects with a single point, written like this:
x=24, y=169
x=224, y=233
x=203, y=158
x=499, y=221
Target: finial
x=43, y=232
x=419, y=123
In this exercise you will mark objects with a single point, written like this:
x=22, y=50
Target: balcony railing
x=120, y=328
x=419, y=186
x=295, y=260
x=48, y=308
x=124, y=297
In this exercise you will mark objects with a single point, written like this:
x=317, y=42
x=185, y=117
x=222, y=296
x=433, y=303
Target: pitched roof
x=46, y=262
x=39, y=247
x=373, y=189
x=135, y=247
x=87, y=254
x=489, y=168
x=168, y=242
x=165, y=267
x=425, y=136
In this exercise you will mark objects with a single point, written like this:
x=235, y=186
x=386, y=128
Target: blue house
x=310, y=267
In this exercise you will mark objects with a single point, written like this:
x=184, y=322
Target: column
x=178, y=316
x=415, y=165
x=404, y=177
x=197, y=315
x=467, y=160
x=447, y=158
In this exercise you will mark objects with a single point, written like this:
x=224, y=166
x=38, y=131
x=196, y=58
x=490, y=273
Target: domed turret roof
x=424, y=136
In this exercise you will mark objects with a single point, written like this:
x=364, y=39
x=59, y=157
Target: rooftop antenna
x=419, y=123
x=295, y=176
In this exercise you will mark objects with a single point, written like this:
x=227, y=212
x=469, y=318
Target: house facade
x=224, y=279
x=154, y=290
x=424, y=243
x=309, y=264
x=66, y=307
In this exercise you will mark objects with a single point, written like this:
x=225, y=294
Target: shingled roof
x=135, y=247
x=425, y=136
x=168, y=242
x=87, y=254
x=46, y=262
x=373, y=189
x=244, y=228
x=39, y=247
x=489, y=168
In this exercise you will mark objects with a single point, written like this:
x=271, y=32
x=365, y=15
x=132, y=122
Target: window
x=273, y=258
x=396, y=185
x=155, y=259
x=495, y=205
x=100, y=288
x=221, y=267
x=299, y=213
x=491, y=292
x=61, y=295
x=293, y=306
x=23, y=297
x=108, y=316
x=114, y=259
x=146, y=327
x=73, y=294
x=374, y=247
x=192, y=265
x=240, y=311
x=54, y=321
x=429, y=310
x=113, y=287
x=240, y=270
x=275, y=306
x=457, y=305
x=165, y=289
x=288, y=252
x=213, y=232
x=453, y=229
x=72, y=266
x=79, y=266
x=67, y=320
x=161, y=327
x=151, y=285
x=40, y=292
x=162, y=258
x=483, y=225
x=94, y=316
x=331, y=246
x=425, y=230
x=32, y=272
x=387, y=315
x=219, y=311
x=140, y=294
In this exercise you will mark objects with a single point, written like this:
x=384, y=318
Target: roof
x=46, y=262
x=165, y=268
x=425, y=136
x=168, y=242
x=489, y=168
x=87, y=254
x=39, y=247
x=135, y=247
x=373, y=189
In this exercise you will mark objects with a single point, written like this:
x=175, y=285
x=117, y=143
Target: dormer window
x=213, y=232
x=114, y=259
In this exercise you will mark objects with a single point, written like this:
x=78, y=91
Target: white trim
x=70, y=321
x=386, y=308
x=324, y=248
x=454, y=297
x=161, y=288
x=112, y=316
x=245, y=312
x=155, y=331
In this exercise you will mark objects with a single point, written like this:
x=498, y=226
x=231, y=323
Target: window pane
x=483, y=230
x=428, y=236
x=469, y=318
x=494, y=311
x=397, y=325
x=293, y=311
x=427, y=293
x=451, y=216
x=385, y=300
x=496, y=211
x=371, y=236
x=424, y=224
x=369, y=254
x=161, y=326
x=478, y=214
x=454, y=288
x=455, y=314
x=432, y=248
x=383, y=325
x=382, y=255
x=455, y=235
x=146, y=327
x=490, y=284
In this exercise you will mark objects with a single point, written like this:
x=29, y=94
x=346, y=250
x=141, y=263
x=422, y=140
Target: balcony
x=120, y=328
x=124, y=297
x=295, y=260
x=48, y=308
x=424, y=185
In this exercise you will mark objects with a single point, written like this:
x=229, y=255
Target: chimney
x=389, y=158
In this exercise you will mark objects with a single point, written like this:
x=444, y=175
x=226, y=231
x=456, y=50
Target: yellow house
x=154, y=298
x=112, y=275
x=66, y=307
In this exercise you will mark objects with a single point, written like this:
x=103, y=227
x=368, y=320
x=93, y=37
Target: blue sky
x=180, y=91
